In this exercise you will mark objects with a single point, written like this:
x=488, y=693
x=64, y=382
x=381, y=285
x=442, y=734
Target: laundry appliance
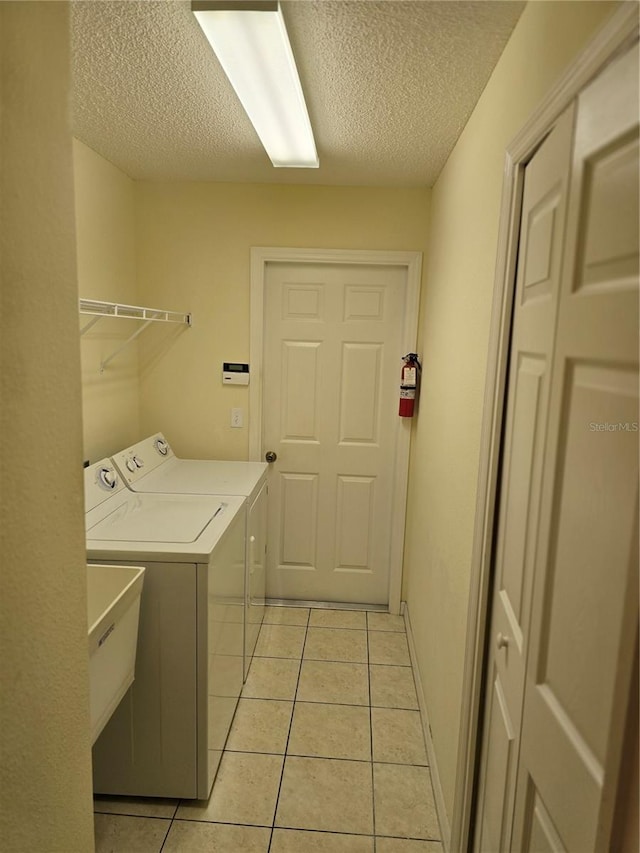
x=152, y=466
x=167, y=735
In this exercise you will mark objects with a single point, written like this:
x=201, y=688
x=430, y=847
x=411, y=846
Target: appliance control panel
x=143, y=457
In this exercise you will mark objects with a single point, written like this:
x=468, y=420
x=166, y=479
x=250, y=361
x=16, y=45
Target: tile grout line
x=290, y=828
x=324, y=627
x=173, y=817
x=164, y=840
x=279, y=755
x=328, y=660
x=373, y=790
x=295, y=828
x=286, y=746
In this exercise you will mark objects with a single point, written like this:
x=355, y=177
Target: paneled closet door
x=542, y=233
x=584, y=613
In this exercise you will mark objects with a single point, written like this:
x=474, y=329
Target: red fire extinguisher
x=409, y=378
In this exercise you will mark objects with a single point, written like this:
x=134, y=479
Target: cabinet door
x=256, y=574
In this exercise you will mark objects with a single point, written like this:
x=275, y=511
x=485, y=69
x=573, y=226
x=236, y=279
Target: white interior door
x=333, y=338
x=539, y=268
x=585, y=594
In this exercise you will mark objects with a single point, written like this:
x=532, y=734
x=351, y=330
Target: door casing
x=412, y=262
x=617, y=35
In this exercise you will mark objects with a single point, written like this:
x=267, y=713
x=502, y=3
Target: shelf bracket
x=116, y=352
x=88, y=325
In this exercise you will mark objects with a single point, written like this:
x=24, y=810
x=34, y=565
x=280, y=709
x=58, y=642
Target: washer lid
x=157, y=518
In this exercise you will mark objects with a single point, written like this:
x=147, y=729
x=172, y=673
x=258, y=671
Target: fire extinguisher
x=409, y=378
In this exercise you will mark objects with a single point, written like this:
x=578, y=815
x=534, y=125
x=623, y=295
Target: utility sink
x=113, y=610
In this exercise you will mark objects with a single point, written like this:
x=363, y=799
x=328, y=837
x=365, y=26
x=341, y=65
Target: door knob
x=502, y=641
x=270, y=456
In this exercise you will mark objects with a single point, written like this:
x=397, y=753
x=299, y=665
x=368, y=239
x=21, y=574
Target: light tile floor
x=326, y=753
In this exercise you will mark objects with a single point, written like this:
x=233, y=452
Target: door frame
x=412, y=263
x=616, y=36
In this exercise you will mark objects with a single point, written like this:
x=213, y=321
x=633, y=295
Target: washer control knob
x=107, y=478
x=131, y=464
x=138, y=463
x=161, y=446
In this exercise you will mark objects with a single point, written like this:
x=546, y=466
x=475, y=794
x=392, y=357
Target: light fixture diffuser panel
x=253, y=49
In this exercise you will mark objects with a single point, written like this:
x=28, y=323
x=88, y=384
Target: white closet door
x=542, y=232
x=585, y=592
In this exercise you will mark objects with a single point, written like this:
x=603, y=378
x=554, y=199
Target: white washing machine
x=167, y=735
x=151, y=466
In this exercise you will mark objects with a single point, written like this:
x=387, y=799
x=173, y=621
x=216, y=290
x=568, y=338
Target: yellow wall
x=193, y=255
x=454, y=338
x=107, y=271
x=45, y=765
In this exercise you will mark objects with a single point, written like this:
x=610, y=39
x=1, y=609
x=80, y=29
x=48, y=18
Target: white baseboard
x=443, y=820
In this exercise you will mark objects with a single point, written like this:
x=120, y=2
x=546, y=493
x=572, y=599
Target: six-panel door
x=332, y=359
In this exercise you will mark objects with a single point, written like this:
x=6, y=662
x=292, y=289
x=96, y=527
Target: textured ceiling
x=389, y=86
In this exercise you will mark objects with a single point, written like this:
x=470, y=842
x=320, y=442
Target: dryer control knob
x=138, y=463
x=107, y=478
x=131, y=464
x=161, y=446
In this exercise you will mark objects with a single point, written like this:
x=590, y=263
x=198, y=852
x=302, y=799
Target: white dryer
x=152, y=466
x=167, y=736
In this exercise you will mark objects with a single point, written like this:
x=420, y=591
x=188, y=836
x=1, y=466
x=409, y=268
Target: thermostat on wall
x=235, y=373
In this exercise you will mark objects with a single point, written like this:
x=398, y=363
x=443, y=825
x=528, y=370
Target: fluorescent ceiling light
x=251, y=43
